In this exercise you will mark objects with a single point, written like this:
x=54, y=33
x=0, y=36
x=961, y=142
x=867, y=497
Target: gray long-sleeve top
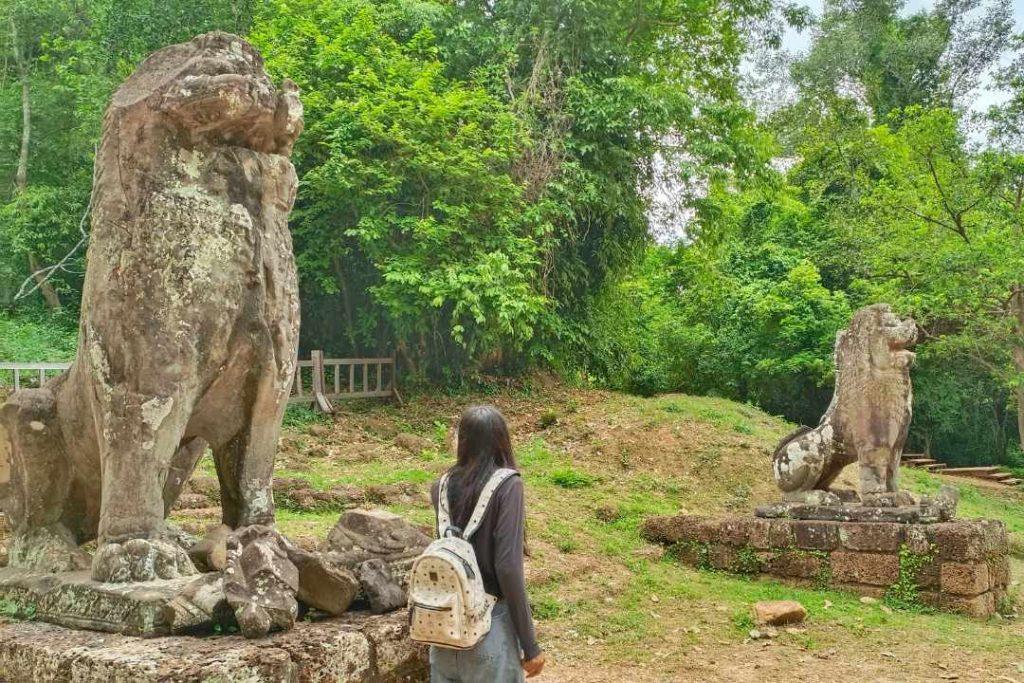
x=499, y=543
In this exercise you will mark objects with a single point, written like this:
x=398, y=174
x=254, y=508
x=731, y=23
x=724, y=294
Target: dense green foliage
x=409, y=216
x=472, y=175
x=36, y=336
x=479, y=181
x=898, y=214
x=61, y=62
x=884, y=199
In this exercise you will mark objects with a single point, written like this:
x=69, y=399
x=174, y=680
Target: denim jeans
x=495, y=659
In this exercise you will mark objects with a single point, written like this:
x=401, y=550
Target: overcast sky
x=800, y=41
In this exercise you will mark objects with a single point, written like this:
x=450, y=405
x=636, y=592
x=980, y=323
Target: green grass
x=974, y=502
x=625, y=616
x=299, y=416
x=324, y=474
x=592, y=573
x=632, y=617
x=722, y=413
x=536, y=459
x=570, y=478
x=293, y=523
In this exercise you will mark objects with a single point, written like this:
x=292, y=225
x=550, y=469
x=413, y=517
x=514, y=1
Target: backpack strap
x=444, y=518
x=496, y=480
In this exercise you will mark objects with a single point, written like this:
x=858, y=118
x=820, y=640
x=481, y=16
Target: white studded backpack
x=448, y=605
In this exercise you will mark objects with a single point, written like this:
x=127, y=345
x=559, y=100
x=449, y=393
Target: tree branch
x=936, y=221
x=42, y=276
x=957, y=217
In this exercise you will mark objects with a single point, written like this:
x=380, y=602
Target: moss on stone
x=905, y=593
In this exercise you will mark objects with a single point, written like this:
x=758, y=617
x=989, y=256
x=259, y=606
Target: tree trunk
x=21, y=174
x=1017, y=300
x=346, y=302
x=45, y=288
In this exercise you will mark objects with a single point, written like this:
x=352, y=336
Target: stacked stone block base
x=960, y=566
x=354, y=648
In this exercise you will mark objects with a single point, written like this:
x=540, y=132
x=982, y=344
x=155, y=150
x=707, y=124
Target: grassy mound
x=609, y=605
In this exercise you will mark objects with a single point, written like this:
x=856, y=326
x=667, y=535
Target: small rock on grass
x=763, y=633
x=779, y=612
x=868, y=600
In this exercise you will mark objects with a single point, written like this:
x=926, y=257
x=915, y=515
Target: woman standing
x=510, y=648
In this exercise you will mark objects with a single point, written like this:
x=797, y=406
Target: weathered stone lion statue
x=189, y=323
x=867, y=420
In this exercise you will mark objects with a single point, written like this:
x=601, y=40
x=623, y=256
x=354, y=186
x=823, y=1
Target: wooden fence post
x=394, y=380
x=319, y=392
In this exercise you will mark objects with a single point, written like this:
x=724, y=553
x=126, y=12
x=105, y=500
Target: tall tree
x=28, y=28
x=871, y=51
x=60, y=62
x=613, y=93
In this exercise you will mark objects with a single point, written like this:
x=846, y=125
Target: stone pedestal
x=354, y=648
x=152, y=608
x=960, y=566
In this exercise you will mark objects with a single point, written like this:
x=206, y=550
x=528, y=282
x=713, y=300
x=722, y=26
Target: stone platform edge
x=960, y=566
x=355, y=648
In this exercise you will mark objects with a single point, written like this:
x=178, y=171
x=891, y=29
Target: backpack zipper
x=432, y=608
x=460, y=558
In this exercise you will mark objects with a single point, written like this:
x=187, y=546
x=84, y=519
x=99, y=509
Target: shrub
x=569, y=478
x=549, y=418
x=298, y=416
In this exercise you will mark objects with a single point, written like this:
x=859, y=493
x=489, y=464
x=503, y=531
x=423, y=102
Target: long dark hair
x=483, y=447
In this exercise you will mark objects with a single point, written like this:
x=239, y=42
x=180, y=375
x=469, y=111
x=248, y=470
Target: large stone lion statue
x=189, y=323
x=867, y=420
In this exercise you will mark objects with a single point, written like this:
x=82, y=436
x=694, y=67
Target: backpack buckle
x=452, y=530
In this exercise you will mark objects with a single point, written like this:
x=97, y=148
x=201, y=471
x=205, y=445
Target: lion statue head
x=876, y=341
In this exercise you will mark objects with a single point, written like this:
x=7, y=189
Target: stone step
x=919, y=462
x=1011, y=482
x=1001, y=476
x=936, y=466
x=972, y=471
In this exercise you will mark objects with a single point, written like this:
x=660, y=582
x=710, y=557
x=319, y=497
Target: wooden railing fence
x=343, y=378
x=18, y=372
x=330, y=378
